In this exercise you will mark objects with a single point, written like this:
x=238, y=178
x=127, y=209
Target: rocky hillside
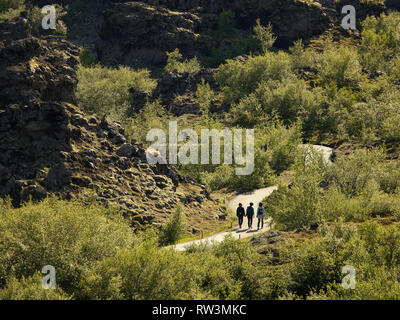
x=49, y=146
x=141, y=32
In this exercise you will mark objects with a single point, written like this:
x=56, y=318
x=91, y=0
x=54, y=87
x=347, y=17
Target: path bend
x=255, y=196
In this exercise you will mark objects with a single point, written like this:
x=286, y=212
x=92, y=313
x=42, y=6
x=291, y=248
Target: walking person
x=260, y=216
x=240, y=215
x=250, y=214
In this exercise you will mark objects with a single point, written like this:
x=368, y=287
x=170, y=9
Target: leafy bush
x=87, y=58
x=275, y=150
x=205, y=97
x=232, y=47
x=226, y=21
x=264, y=35
x=288, y=100
x=250, y=270
x=261, y=176
x=145, y=272
x=374, y=253
x=281, y=145
x=175, y=63
x=352, y=174
x=10, y=9
x=221, y=177
x=67, y=235
x=391, y=128
x=30, y=289
x=380, y=42
x=103, y=90
x=300, y=56
x=317, y=264
x=239, y=79
x=152, y=115
x=10, y=4
x=340, y=66
x=35, y=18
x=174, y=229
x=295, y=207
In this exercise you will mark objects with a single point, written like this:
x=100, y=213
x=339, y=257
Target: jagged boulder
x=184, y=85
x=139, y=34
x=176, y=91
x=15, y=29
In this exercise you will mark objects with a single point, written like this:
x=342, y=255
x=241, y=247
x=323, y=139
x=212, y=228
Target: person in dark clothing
x=260, y=216
x=250, y=214
x=240, y=214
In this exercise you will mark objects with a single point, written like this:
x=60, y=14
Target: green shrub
x=30, y=289
x=352, y=174
x=146, y=273
x=103, y=90
x=375, y=117
x=340, y=66
x=275, y=150
x=205, y=97
x=87, y=58
x=35, y=18
x=380, y=42
x=288, y=100
x=374, y=253
x=391, y=128
x=389, y=176
x=5, y=5
x=316, y=265
x=174, y=229
x=335, y=205
x=381, y=284
x=66, y=235
x=264, y=35
x=175, y=63
x=10, y=9
x=369, y=204
x=295, y=207
x=250, y=270
x=239, y=79
x=152, y=115
x=300, y=56
x=221, y=177
x=226, y=21
x=230, y=48
x=281, y=144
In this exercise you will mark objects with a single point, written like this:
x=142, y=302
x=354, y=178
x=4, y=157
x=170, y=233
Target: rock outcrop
x=183, y=85
x=176, y=92
x=141, y=32
x=49, y=146
x=392, y=4
x=137, y=33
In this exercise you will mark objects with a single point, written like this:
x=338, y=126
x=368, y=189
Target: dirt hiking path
x=255, y=196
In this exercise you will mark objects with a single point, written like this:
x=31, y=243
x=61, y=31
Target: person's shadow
x=248, y=193
x=252, y=231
